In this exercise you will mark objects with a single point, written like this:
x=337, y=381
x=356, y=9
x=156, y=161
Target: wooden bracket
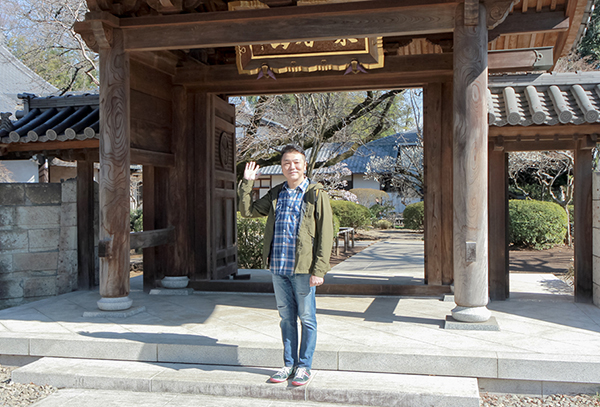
x=497, y=10
x=103, y=33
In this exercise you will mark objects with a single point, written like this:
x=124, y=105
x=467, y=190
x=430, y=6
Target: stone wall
x=38, y=241
x=596, y=235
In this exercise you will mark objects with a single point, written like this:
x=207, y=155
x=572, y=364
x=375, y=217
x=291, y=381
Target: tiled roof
x=73, y=117
x=17, y=78
x=357, y=163
x=544, y=99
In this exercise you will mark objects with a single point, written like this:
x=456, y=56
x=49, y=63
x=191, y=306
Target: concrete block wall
x=38, y=241
x=596, y=235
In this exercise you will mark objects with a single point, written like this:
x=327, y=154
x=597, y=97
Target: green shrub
x=379, y=211
x=250, y=237
x=382, y=224
x=336, y=225
x=536, y=224
x=136, y=220
x=414, y=216
x=367, y=196
x=351, y=214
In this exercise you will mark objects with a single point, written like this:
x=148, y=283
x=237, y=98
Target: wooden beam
x=582, y=200
x=498, y=225
x=151, y=238
x=51, y=145
x=530, y=23
x=555, y=130
x=447, y=186
x=149, y=210
x=520, y=60
x=85, y=225
x=432, y=140
x=512, y=146
x=154, y=158
x=286, y=24
x=399, y=71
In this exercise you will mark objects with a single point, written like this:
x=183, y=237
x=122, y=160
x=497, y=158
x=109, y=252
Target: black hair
x=293, y=148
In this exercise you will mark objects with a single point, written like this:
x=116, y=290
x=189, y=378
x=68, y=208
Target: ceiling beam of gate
x=286, y=24
x=399, y=71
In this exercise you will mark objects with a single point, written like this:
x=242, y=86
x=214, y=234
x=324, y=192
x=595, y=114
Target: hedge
x=414, y=216
x=536, y=224
x=250, y=237
x=350, y=214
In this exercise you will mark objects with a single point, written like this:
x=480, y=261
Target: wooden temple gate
x=167, y=68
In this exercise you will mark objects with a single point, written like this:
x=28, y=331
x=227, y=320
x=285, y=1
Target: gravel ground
x=557, y=400
x=20, y=395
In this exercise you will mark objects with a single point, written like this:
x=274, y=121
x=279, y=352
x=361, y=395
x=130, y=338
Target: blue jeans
x=296, y=299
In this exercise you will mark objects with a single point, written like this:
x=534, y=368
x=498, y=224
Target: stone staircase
x=216, y=385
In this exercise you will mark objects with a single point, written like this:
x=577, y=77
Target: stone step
x=346, y=388
x=104, y=398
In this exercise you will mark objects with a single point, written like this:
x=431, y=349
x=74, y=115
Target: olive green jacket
x=315, y=234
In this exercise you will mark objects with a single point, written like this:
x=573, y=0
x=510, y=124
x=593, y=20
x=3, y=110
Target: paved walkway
x=544, y=335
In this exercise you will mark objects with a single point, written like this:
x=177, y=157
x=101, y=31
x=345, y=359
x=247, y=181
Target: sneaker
x=283, y=374
x=302, y=376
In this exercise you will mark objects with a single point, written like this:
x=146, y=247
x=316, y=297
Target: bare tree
x=40, y=33
x=546, y=167
x=5, y=174
x=403, y=173
x=311, y=120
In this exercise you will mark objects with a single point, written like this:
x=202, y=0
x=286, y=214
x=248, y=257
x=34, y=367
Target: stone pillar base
x=115, y=304
x=175, y=282
x=471, y=314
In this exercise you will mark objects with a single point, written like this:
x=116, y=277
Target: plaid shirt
x=287, y=221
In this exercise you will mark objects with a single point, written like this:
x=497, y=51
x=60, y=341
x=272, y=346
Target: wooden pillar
x=447, y=249
x=470, y=169
x=178, y=212
x=583, y=225
x=432, y=147
x=498, y=225
x=85, y=224
x=202, y=186
x=114, y=175
x=149, y=211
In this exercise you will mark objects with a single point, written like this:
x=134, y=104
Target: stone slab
x=69, y=191
x=7, y=216
x=104, y=398
x=443, y=362
x=596, y=185
x=14, y=345
x=374, y=389
x=349, y=388
x=43, y=193
x=68, y=214
x=172, y=291
x=39, y=286
x=489, y=325
x=92, y=346
x=12, y=194
x=35, y=261
x=5, y=263
x=115, y=314
x=43, y=239
x=38, y=217
x=13, y=240
x=448, y=298
x=545, y=367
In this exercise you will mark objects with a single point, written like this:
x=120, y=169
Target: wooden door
x=223, y=191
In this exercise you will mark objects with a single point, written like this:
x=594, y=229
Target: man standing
x=297, y=247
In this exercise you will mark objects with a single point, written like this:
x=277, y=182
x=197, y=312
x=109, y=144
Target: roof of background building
x=544, y=99
x=357, y=163
x=17, y=78
x=55, y=118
